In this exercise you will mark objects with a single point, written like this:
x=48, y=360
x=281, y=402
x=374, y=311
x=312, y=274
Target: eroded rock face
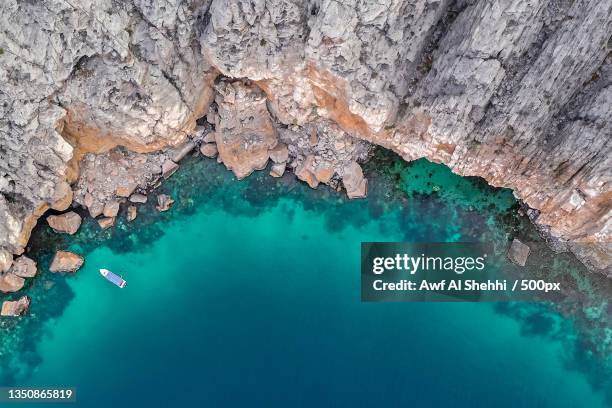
x=65, y=261
x=106, y=178
x=244, y=132
x=519, y=94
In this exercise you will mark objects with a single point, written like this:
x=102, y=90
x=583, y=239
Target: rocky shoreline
x=518, y=95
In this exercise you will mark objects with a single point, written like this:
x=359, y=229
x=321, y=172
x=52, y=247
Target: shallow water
x=247, y=293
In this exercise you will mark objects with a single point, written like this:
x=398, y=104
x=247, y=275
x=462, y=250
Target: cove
x=247, y=293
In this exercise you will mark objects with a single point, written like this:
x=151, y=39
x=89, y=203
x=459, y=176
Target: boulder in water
x=65, y=261
x=15, y=308
x=68, y=223
x=24, y=267
x=106, y=222
x=164, y=202
x=132, y=212
x=10, y=282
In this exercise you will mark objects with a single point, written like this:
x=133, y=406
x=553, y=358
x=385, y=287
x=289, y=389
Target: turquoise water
x=247, y=294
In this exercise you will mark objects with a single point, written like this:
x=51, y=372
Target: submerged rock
x=132, y=212
x=65, y=261
x=518, y=252
x=68, y=223
x=24, y=267
x=106, y=222
x=15, y=308
x=164, y=202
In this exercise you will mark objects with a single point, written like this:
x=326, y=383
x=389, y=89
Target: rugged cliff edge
x=517, y=92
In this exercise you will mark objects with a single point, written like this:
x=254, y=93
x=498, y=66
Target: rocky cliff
x=517, y=92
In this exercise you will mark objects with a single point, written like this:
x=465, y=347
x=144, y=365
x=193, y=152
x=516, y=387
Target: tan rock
x=305, y=172
x=168, y=168
x=126, y=190
x=24, y=267
x=111, y=209
x=62, y=197
x=278, y=169
x=138, y=198
x=209, y=138
x=209, y=150
x=132, y=212
x=164, y=202
x=106, y=222
x=65, y=261
x=6, y=260
x=280, y=153
x=15, y=308
x=324, y=173
x=95, y=207
x=10, y=282
x=67, y=223
x=355, y=184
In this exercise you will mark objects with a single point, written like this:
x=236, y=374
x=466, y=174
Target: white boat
x=112, y=277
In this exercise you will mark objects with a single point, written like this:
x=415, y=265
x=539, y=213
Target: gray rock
x=168, y=168
x=178, y=153
x=518, y=252
x=138, y=198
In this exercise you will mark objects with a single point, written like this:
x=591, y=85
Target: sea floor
x=247, y=293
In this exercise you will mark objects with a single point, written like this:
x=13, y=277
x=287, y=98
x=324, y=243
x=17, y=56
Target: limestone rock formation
x=15, y=308
x=67, y=223
x=65, y=261
x=517, y=92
